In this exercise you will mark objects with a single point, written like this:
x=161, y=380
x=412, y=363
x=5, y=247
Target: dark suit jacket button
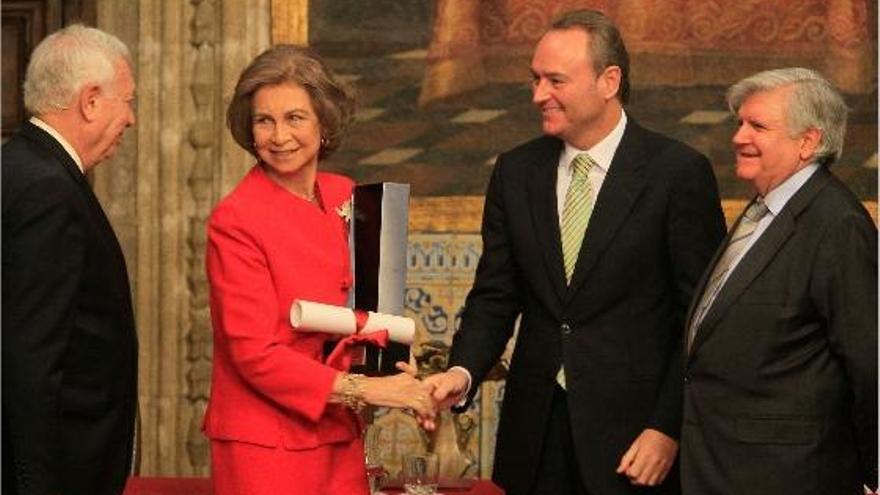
x=565, y=328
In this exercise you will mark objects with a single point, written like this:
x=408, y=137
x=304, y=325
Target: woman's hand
x=401, y=391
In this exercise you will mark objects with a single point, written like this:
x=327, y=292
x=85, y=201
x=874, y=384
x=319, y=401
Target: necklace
x=311, y=197
x=308, y=197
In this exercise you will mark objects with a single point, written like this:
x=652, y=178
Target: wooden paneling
x=25, y=23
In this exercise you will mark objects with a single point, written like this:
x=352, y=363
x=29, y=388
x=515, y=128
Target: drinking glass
x=420, y=473
x=375, y=470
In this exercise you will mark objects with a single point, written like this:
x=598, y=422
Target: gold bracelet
x=351, y=391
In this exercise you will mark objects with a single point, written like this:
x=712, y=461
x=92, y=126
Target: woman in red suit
x=280, y=420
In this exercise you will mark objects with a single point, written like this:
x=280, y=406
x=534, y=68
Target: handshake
x=425, y=397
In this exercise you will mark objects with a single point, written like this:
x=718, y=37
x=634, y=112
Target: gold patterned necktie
x=576, y=213
x=738, y=241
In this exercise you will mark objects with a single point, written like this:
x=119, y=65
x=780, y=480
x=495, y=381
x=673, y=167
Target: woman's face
x=287, y=134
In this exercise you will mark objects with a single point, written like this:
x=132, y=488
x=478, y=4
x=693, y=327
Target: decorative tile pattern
x=440, y=271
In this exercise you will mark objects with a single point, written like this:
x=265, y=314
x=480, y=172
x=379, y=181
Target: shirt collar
x=603, y=151
x=779, y=195
x=63, y=142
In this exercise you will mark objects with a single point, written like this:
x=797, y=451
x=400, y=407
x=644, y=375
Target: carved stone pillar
x=224, y=36
x=114, y=181
x=201, y=138
x=172, y=168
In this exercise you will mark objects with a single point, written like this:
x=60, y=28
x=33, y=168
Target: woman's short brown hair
x=332, y=99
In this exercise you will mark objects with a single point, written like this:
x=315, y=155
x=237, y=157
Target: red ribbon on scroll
x=341, y=356
x=360, y=320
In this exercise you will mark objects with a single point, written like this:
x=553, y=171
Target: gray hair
x=814, y=104
x=67, y=60
x=606, y=44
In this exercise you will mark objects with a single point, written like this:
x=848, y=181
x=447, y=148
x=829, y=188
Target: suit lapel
x=46, y=142
x=545, y=216
x=622, y=186
x=759, y=255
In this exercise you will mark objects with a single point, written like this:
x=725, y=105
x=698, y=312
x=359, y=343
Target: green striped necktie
x=575, y=216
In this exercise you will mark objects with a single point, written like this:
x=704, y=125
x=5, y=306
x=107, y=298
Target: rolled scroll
x=308, y=316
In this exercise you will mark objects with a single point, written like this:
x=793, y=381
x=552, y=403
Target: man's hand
x=648, y=459
x=448, y=388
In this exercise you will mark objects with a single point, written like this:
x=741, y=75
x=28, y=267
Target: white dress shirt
x=58, y=137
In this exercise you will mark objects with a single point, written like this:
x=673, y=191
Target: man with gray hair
x=69, y=346
x=781, y=366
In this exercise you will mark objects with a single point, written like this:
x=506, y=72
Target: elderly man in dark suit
x=781, y=366
x=596, y=233
x=69, y=343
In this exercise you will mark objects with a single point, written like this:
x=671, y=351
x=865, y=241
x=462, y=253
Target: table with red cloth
x=202, y=486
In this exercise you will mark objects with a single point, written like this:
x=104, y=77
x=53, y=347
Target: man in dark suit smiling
x=596, y=233
x=69, y=343
x=781, y=369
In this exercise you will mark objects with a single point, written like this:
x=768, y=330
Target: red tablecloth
x=202, y=486
x=168, y=486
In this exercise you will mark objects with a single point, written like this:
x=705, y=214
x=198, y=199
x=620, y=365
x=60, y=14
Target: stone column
x=173, y=167
x=224, y=36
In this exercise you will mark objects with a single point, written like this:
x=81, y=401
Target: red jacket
x=267, y=247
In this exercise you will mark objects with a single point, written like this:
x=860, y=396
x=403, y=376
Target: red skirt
x=239, y=468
